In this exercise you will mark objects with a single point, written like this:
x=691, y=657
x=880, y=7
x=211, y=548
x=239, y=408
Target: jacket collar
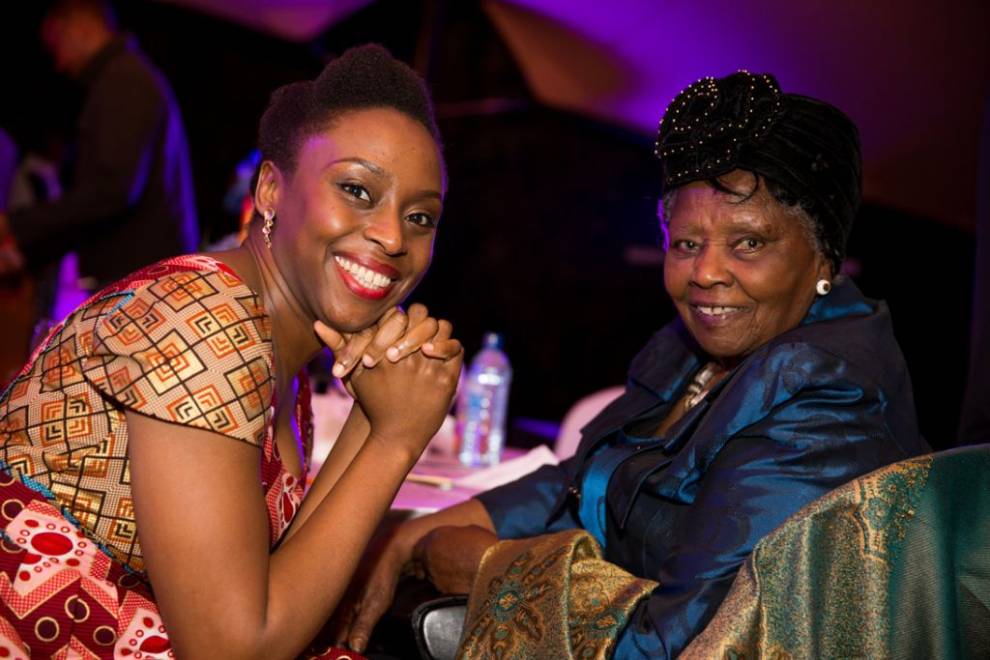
x=658, y=373
x=844, y=300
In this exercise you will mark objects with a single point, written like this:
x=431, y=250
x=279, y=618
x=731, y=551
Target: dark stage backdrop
x=549, y=233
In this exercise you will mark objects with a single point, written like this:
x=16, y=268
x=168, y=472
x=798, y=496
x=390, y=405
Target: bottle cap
x=491, y=340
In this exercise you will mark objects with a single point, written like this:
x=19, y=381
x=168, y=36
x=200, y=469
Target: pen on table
x=443, y=483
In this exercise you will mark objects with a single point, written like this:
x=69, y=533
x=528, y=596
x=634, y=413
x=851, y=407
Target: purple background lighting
x=911, y=74
x=548, y=110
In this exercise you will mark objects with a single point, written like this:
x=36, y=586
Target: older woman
x=155, y=448
x=778, y=382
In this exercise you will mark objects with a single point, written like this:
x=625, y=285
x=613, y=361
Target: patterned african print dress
x=184, y=341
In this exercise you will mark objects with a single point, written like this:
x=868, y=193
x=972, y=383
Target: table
x=418, y=498
x=330, y=410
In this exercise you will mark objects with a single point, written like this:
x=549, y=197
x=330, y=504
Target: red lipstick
x=365, y=277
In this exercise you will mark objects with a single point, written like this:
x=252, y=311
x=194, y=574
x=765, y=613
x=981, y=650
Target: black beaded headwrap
x=743, y=121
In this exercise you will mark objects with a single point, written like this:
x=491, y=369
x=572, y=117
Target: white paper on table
x=330, y=411
x=509, y=470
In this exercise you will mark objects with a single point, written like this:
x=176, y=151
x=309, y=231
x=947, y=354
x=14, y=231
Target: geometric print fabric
x=183, y=340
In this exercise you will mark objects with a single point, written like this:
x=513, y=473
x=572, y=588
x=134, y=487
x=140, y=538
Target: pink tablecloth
x=421, y=498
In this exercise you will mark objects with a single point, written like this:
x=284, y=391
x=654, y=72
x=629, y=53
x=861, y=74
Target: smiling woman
x=778, y=382
x=360, y=209
x=155, y=446
x=740, y=269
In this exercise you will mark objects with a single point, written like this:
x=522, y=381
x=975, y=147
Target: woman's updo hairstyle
x=361, y=78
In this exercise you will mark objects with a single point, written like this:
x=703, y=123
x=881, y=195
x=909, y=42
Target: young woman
x=154, y=449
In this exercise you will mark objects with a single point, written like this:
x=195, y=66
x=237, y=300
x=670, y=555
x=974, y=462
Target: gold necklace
x=699, y=385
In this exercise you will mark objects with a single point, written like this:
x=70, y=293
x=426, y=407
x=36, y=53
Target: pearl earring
x=266, y=231
x=823, y=287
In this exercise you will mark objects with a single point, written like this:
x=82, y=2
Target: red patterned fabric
x=184, y=340
x=60, y=595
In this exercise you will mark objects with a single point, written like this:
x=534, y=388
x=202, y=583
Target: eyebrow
x=366, y=164
x=378, y=171
x=753, y=224
x=429, y=194
x=733, y=225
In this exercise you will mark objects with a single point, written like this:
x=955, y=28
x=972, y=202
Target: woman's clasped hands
x=402, y=373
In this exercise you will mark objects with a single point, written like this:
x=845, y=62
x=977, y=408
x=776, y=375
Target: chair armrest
x=437, y=626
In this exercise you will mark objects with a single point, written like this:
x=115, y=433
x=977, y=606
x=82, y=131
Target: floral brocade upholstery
x=895, y=564
x=550, y=596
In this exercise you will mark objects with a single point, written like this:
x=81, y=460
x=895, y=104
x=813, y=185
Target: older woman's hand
x=395, y=336
x=391, y=555
x=450, y=556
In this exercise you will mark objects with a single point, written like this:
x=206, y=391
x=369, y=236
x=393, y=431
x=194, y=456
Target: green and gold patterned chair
x=895, y=564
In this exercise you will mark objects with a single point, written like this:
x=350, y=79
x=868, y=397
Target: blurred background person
x=130, y=198
x=53, y=284
x=9, y=258
x=162, y=482
x=8, y=163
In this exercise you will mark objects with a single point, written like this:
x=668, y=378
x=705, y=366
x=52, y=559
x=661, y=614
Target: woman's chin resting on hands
x=181, y=484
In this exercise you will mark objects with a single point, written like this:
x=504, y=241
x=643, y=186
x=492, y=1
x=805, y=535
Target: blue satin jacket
x=810, y=410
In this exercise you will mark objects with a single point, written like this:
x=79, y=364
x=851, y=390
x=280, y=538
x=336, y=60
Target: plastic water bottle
x=482, y=404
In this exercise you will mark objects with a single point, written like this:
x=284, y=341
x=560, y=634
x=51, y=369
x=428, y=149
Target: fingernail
x=368, y=361
x=358, y=644
x=338, y=370
x=392, y=353
x=428, y=346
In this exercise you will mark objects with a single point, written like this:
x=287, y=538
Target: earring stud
x=823, y=287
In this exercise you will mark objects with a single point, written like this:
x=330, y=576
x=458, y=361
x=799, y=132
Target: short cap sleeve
x=191, y=347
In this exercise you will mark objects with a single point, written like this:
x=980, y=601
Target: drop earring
x=266, y=230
